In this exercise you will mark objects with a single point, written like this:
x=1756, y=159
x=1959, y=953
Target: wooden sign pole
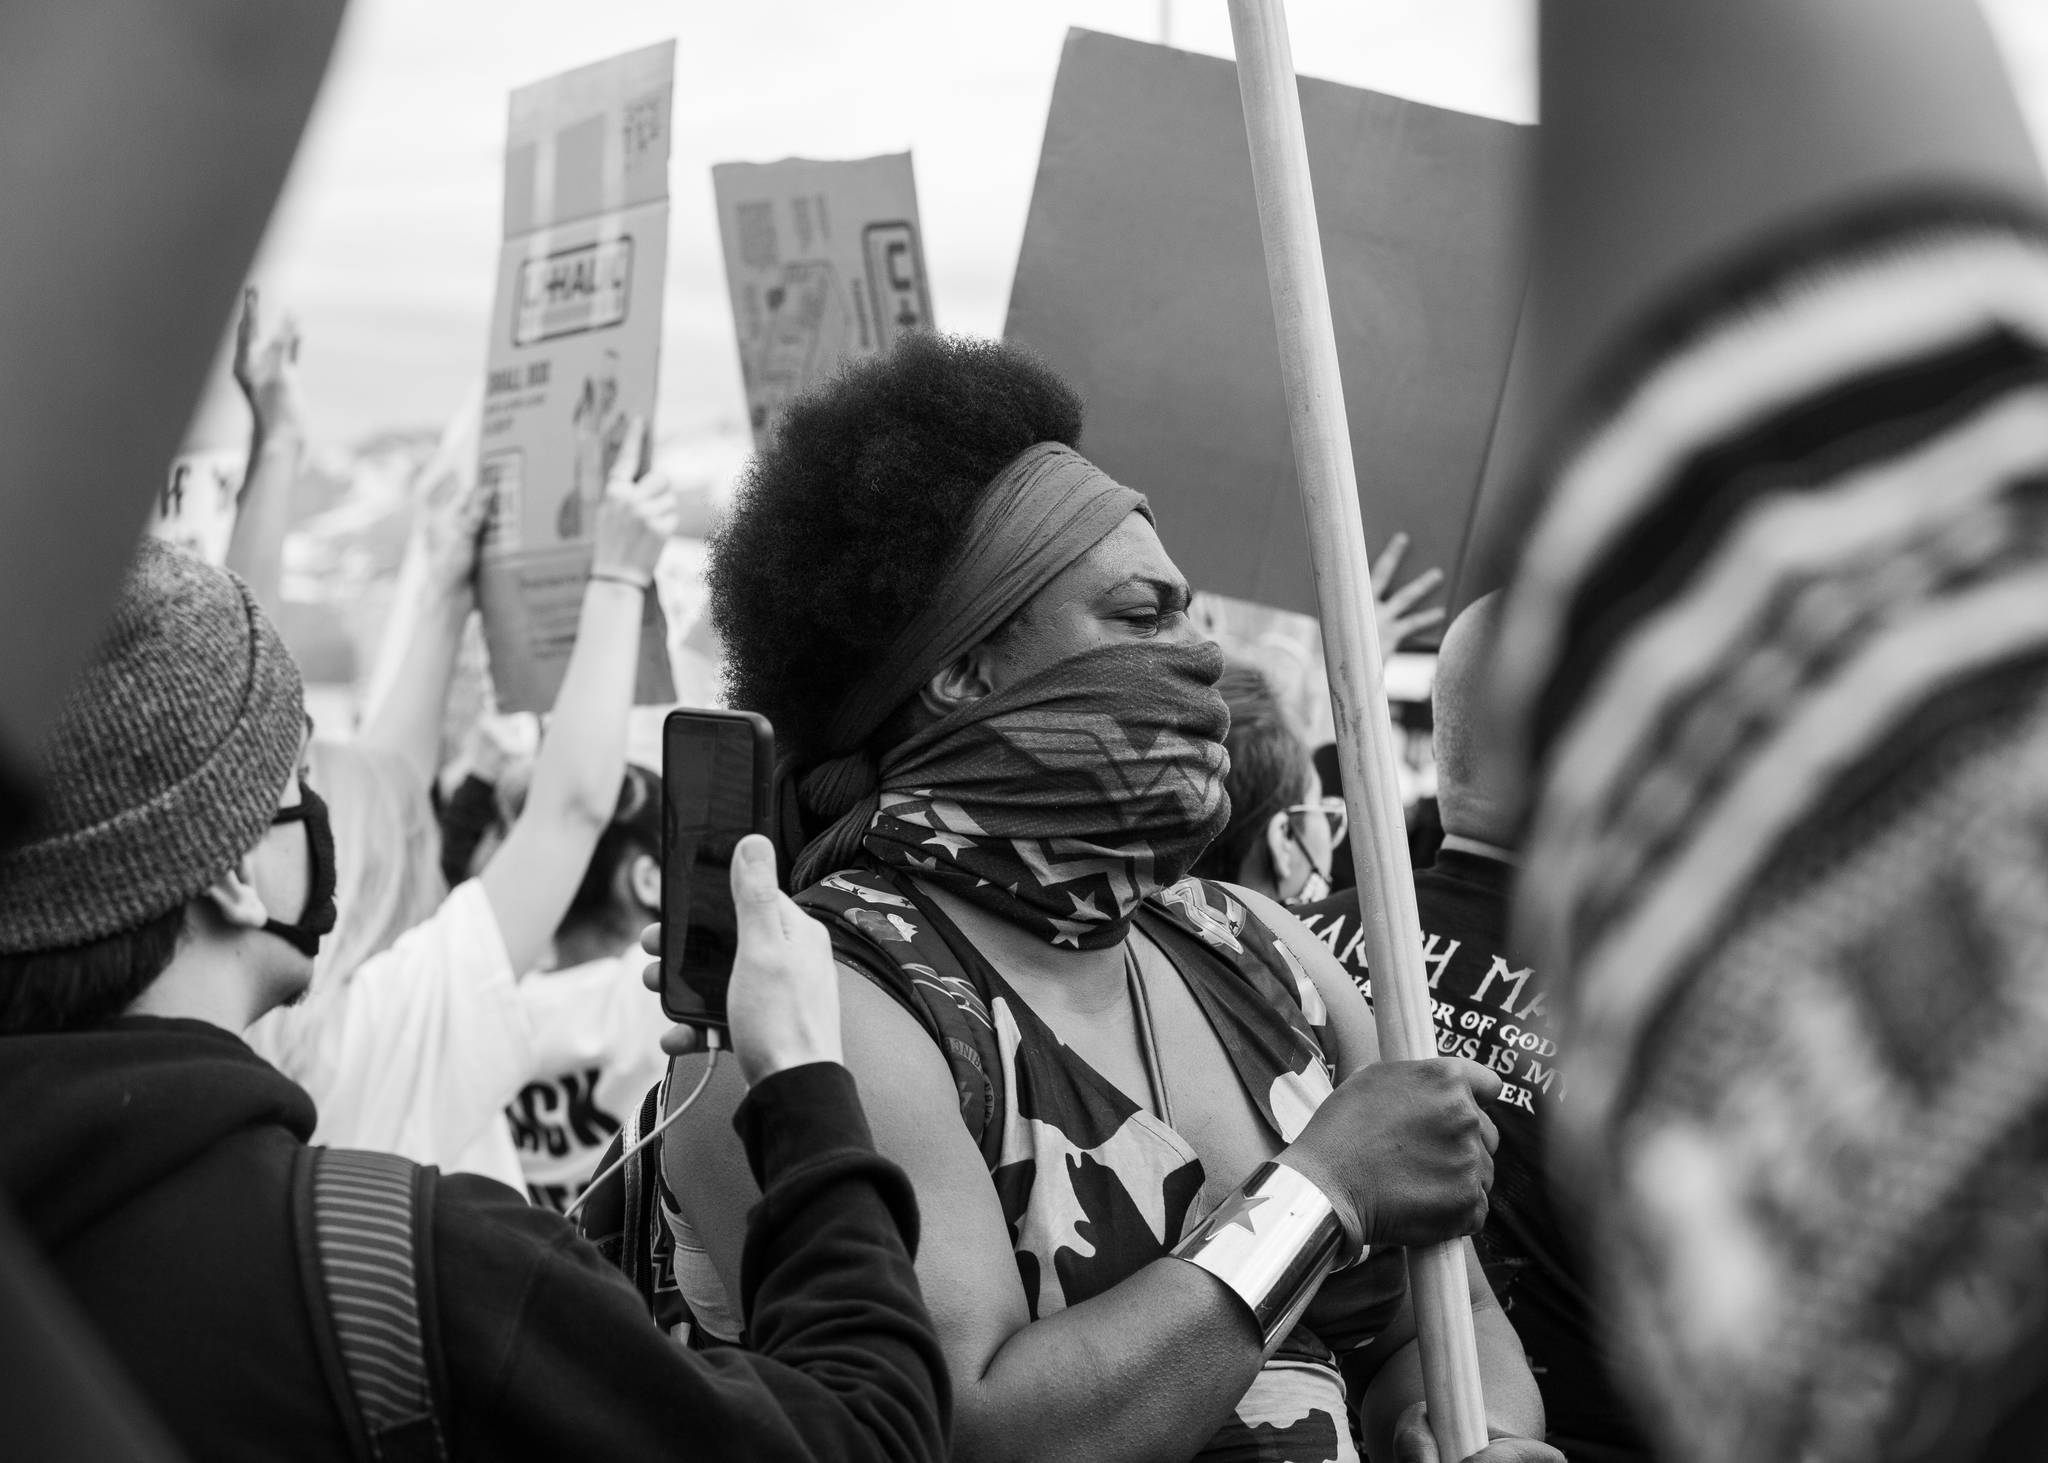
x=1365, y=733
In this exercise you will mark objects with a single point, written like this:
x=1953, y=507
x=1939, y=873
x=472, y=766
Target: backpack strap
x=602, y=1219
x=360, y=1219
x=636, y=1212
x=881, y=926
x=624, y=1218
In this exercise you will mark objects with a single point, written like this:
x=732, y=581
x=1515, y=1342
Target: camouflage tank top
x=1093, y=1185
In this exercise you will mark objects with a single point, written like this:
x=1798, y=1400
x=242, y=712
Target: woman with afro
x=1002, y=752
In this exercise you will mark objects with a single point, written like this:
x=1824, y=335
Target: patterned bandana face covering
x=1064, y=801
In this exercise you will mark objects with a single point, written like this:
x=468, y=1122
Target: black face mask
x=317, y=918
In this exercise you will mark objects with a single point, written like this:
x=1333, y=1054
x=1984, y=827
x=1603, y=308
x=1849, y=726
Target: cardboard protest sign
x=574, y=350
x=195, y=509
x=1142, y=281
x=825, y=262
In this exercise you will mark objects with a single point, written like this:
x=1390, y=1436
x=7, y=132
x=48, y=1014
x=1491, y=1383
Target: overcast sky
x=385, y=241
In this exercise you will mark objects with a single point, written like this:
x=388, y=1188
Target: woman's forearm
x=583, y=756
x=576, y=776
x=1514, y=1406
x=263, y=512
x=1146, y=1372
x=415, y=662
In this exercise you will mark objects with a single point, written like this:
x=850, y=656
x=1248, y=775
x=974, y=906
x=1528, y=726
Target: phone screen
x=714, y=769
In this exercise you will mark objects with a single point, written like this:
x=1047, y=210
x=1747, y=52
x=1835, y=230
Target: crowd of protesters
x=1055, y=1124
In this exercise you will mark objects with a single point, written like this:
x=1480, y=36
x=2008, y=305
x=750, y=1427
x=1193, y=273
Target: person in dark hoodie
x=174, y=886
x=1492, y=1005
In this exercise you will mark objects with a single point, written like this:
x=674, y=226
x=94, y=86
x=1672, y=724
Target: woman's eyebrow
x=1174, y=592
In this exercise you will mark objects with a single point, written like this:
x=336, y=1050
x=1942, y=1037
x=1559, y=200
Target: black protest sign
x=1143, y=282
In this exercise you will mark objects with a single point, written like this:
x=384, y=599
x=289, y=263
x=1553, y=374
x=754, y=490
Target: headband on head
x=1045, y=509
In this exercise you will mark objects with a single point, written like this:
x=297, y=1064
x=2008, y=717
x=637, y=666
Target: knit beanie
x=166, y=762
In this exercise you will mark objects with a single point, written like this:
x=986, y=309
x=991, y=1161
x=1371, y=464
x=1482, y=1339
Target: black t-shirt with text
x=1491, y=1008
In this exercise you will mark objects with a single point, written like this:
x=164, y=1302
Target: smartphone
x=718, y=785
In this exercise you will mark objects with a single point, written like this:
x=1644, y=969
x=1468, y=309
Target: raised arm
x=535, y=872
x=423, y=633
x=268, y=373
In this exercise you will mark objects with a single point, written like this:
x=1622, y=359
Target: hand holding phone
x=717, y=788
x=784, y=992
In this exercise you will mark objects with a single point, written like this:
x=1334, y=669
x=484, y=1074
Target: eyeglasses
x=1330, y=809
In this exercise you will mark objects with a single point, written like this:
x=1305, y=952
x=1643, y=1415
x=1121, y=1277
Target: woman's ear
x=1280, y=848
x=234, y=898
x=965, y=678
x=644, y=874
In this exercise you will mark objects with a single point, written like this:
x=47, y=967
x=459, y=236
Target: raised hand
x=267, y=369
x=452, y=513
x=1391, y=606
x=638, y=515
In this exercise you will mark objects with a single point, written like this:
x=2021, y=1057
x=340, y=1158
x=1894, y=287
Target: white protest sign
x=825, y=262
x=574, y=353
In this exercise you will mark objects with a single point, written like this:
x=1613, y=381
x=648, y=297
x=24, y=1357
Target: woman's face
x=1124, y=589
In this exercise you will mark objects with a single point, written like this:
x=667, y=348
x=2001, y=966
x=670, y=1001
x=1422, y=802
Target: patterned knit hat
x=1779, y=650
x=165, y=764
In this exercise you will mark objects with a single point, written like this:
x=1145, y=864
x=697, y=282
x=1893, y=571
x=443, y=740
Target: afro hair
x=844, y=523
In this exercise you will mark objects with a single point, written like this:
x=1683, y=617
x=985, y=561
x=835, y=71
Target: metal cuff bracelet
x=1271, y=1242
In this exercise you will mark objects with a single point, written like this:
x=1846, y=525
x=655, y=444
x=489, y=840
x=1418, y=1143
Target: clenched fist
x=1403, y=1151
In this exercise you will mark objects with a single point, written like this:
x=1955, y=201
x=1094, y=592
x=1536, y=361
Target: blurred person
x=409, y=690
x=1775, y=661
x=176, y=883
x=1005, y=751
x=1492, y=1006
x=387, y=866
x=418, y=1050
x=1791, y=807
x=496, y=765
x=386, y=842
x=1283, y=833
x=595, y=1028
x=406, y=695
x=1417, y=776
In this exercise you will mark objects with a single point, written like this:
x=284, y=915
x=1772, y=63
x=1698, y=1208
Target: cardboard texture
x=825, y=262
x=1142, y=281
x=574, y=352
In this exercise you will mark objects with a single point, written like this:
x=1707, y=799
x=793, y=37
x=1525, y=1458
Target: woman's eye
x=1151, y=622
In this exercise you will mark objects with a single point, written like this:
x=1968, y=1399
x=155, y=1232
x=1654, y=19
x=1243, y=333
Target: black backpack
x=925, y=974
x=364, y=1227
x=622, y=1218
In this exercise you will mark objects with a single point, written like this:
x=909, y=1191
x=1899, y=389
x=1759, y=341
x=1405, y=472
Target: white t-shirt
x=596, y=1049
x=417, y=1050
